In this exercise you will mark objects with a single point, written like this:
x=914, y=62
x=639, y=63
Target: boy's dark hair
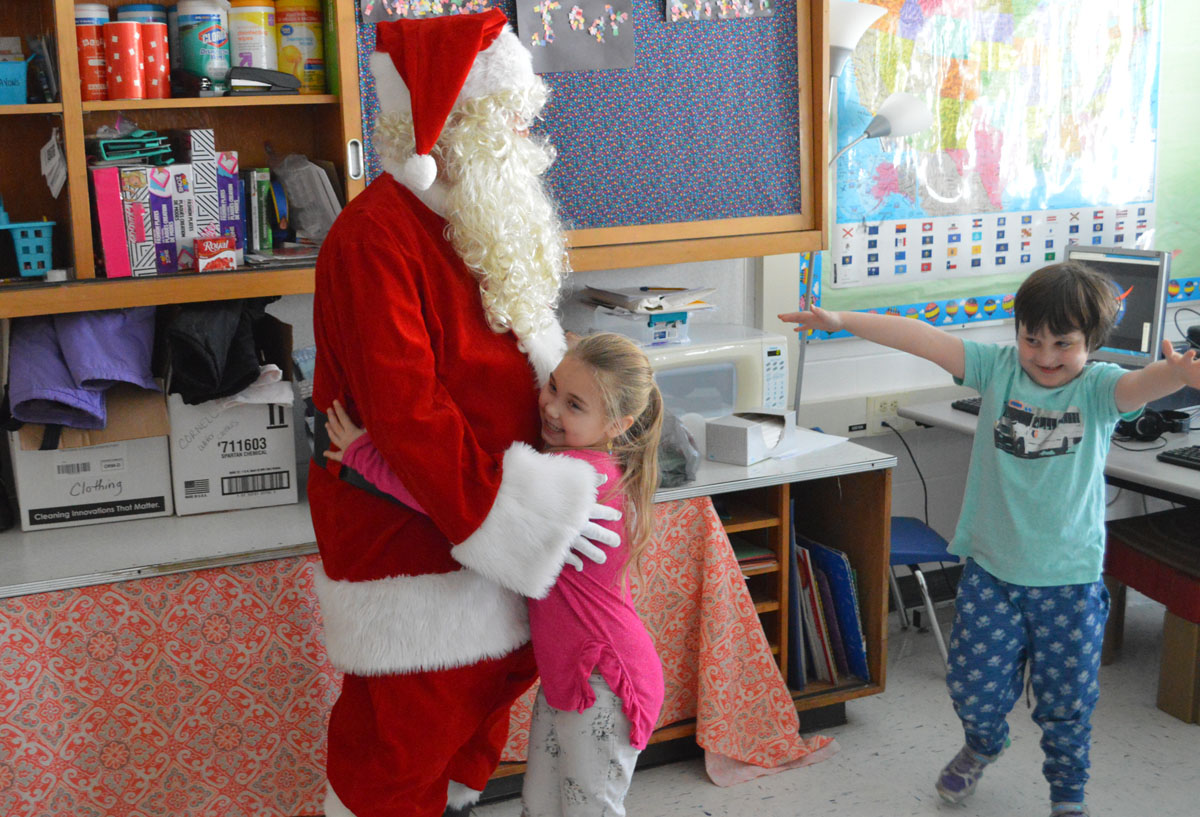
x=1067, y=297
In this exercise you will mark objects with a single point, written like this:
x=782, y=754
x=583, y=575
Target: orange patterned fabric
x=202, y=693
x=208, y=693
x=717, y=665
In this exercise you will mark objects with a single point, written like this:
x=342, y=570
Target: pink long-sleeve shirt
x=587, y=623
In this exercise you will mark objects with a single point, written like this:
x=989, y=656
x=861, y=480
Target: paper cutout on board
x=577, y=35
x=699, y=11
x=377, y=11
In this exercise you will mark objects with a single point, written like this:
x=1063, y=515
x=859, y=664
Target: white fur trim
x=502, y=66
x=542, y=505
x=411, y=623
x=420, y=170
x=545, y=350
x=334, y=807
x=390, y=89
x=459, y=795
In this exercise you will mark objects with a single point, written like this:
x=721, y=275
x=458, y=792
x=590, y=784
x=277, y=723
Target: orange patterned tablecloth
x=208, y=692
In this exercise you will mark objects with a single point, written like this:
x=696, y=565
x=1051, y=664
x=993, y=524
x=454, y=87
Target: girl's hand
x=815, y=318
x=1186, y=367
x=342, y=431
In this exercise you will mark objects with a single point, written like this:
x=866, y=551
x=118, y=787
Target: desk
x=175, y=665
x=1136, y=470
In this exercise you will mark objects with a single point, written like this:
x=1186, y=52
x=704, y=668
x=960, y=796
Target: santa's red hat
x=426, y=66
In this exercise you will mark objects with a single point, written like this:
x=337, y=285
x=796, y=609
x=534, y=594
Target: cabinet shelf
x=16, y=110
x=22, y=300
x=190, y=103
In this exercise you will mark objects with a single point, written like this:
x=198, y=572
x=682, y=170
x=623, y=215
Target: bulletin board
x=703, y=136
x=1045, y=134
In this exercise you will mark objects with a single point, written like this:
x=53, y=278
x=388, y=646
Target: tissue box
x=751, y=436
x=116, y=473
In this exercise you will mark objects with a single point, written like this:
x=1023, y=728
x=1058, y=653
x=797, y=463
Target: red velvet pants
x=396, y=741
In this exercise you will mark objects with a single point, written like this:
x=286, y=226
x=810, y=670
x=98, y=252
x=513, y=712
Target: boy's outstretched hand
x=1185, y=366
x=341, y=429
x=815, y=318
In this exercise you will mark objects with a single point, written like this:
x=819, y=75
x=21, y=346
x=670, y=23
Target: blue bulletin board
x=704, y=126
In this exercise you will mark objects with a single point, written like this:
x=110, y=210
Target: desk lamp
x=848, y=21
x=900, y=114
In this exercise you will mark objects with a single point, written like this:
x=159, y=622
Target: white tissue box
x=751, y=436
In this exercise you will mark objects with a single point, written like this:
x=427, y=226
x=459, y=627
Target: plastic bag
x=311, y=199
x=678, y=456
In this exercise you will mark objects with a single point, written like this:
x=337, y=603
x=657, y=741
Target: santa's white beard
x=502, y=222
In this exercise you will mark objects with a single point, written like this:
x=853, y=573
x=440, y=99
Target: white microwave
x=722, y=369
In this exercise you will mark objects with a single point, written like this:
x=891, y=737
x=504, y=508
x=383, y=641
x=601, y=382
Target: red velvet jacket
x=403, y=343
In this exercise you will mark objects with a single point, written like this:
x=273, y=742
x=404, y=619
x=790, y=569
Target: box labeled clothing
x=748, y=437
x=113, y=474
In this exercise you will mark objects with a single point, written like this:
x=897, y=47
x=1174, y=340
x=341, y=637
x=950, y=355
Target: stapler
x=245, y=80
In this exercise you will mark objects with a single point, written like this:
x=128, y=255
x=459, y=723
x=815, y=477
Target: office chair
x=913, y=544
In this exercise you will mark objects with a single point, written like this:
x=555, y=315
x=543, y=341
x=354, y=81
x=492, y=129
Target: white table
x=1129, y=465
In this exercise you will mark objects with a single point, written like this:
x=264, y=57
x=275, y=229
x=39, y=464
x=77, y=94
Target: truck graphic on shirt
x=1027, y=431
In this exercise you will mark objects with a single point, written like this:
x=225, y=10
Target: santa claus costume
x=423, y=613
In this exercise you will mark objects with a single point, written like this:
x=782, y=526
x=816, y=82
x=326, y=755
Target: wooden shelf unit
x=318, y=126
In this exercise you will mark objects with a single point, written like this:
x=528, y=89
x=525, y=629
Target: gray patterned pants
x=580, y=763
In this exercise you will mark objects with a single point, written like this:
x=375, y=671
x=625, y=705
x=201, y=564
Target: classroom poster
x=1044, y=135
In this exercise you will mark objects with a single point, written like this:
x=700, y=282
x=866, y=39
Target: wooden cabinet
x=850, y=512
x=318, y=126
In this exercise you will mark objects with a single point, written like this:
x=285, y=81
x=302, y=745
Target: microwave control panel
x=775, y=375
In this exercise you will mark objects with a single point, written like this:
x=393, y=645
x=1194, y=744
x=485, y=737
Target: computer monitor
x=1141, y=278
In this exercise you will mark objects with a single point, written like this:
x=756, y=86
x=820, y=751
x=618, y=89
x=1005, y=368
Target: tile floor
x=1145, y=763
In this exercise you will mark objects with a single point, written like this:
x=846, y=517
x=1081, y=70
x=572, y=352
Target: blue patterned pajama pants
x=1001, y=627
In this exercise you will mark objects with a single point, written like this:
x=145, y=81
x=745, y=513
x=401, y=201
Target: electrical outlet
x=883, y=408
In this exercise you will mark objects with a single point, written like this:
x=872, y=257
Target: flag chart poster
x=1044, y=135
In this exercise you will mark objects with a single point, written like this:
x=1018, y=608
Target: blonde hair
x=627, y=387
x=500, y=220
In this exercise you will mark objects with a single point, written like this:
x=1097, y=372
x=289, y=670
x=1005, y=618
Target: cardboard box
x=229, y=201
x=139, y=232
x=236, y=458
x=752, y=436
x=115, y=474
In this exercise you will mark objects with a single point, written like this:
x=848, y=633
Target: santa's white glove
x=591, y=533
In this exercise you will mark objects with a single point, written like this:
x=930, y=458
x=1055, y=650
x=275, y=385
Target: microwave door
x=708, y=390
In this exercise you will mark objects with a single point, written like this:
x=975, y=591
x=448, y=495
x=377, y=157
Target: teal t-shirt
x=1033, y=511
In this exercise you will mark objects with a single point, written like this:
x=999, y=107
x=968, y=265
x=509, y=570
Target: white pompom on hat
x=426, y=66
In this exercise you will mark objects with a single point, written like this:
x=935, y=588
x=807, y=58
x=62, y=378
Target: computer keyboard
x=1188, y=456
x=968, y=404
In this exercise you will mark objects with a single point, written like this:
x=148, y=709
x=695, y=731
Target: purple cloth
x=60, y=365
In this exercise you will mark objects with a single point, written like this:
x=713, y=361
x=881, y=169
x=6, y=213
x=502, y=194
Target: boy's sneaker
x=957, y=781
x=1069, y=810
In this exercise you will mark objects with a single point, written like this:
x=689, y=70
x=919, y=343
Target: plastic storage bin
x=31, y=243
x=12, y=82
